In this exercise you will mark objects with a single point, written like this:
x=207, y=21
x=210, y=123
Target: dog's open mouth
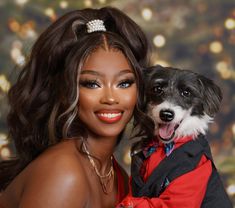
x=166, y=131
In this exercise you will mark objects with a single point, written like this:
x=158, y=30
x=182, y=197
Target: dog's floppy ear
x=150, y=70
x=212, y=95
x=147, y=72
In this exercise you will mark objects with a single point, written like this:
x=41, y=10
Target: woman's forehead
x=103, y=61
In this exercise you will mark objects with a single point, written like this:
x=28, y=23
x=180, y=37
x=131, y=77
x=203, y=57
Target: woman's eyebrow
x=125, y=71
x=93, y=72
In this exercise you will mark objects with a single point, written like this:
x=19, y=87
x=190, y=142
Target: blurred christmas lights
x=64, y=4
x=5, y=153
x=50, y=12
x=3, y=140
x=13, y=25
x=17, y=56
x=87, y=3
x=159, y=41
x=4, y=86
x=147, y=14
x=216, y=47
x=231, y=189
x=233, y=129
x=230, y=24
x=21, y=2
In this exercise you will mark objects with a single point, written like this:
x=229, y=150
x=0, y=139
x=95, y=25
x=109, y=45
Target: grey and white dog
x=180, y=102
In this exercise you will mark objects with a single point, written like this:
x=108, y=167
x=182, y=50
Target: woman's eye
x=157, y=90
x=186, y=93
x=126, y=83
x=92, y=84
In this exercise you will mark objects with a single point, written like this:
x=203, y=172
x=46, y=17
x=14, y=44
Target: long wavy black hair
x=43, y=102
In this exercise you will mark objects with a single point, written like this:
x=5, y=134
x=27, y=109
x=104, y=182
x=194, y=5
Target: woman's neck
x=102, y=149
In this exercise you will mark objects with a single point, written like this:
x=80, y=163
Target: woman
x=81, y=86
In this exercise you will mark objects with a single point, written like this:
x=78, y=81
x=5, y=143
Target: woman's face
x=107, y=93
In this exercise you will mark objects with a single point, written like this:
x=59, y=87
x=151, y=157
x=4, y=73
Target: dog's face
x=180, y=102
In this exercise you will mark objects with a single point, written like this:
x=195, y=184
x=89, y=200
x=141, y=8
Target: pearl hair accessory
x=95, y=25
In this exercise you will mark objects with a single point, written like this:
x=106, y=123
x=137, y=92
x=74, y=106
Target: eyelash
x=127, y=81
x=91, y=83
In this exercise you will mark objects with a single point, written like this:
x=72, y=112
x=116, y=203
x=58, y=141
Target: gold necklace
x=104, y=179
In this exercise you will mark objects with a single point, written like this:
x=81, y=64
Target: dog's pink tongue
x=166, y=130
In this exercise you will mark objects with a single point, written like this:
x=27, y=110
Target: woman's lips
x=109, y=116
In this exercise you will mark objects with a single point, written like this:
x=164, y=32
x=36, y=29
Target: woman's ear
x=212, y=95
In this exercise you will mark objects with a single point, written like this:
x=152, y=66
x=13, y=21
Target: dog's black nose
x=167, y=115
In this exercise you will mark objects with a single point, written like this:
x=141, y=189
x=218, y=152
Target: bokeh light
x=21, y=2
x=231, y=189
x=4, y=83
x=64, y=4
x=159, y=41
x=5, y=152
x=87, y=3
x=147, y=14
x=3, y=140
x=216, y=47
x=50, y=12
x=230, y=24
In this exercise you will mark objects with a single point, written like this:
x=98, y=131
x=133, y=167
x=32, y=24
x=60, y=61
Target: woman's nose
x=109, y=96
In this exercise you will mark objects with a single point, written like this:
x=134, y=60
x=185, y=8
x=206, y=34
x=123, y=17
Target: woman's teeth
x=109, y=115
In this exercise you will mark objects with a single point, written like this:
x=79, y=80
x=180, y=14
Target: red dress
x=120, y=178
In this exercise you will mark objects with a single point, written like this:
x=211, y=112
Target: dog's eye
x=186, y=93
x=157, y=90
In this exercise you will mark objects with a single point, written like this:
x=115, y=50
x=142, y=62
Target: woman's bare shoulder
x=56, y=177
x=63, y=158
x=63, y=153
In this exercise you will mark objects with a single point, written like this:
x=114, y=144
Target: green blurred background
x=190, y=34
